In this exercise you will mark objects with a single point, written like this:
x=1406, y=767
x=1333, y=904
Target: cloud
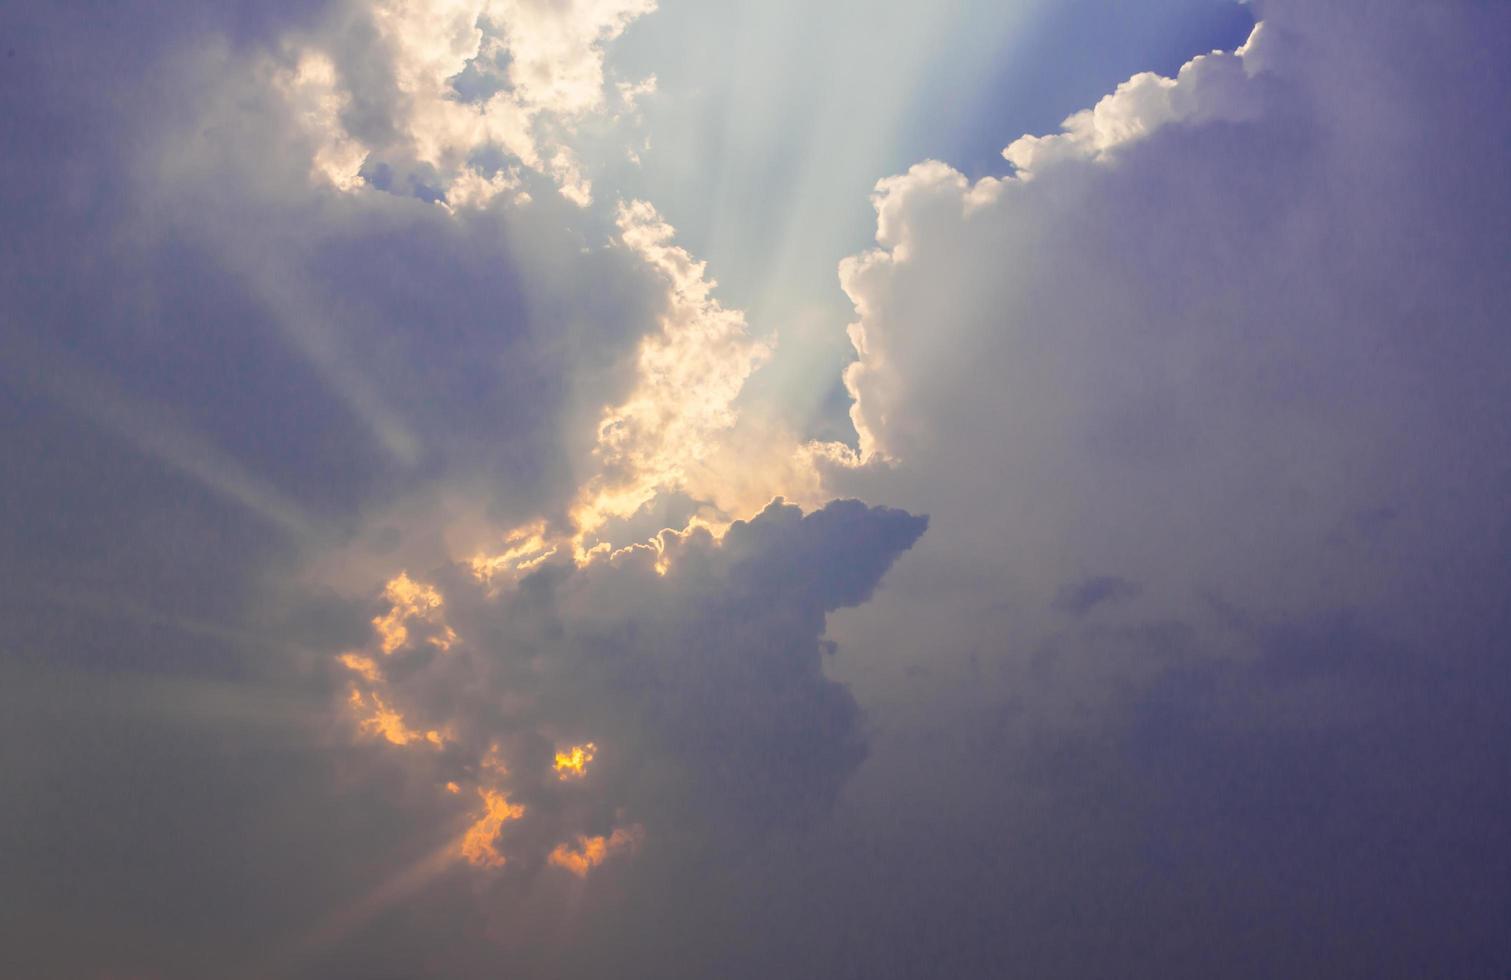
x=381, y=93
x=631, y=696
x=1205, y=335
x=1166, y=358
x=480, y=843
x=688, y=376
x=1209, y=88
x=244, y=596
x=589, y=852
x=1232, y=335
x=408, y=601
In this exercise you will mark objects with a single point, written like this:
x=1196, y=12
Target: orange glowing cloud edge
x=573, y=762
x=480, y=842
x=364, y=667
x=377, y=717
x=529, y=547
x=410, y=601
x=681, y=428
x=590, y=852
x=678, y=431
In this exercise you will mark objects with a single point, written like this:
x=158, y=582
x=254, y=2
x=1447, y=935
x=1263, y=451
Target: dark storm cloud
x=702, y=683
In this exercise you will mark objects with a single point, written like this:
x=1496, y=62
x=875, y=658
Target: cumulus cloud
x=1209, y=88
x=256, y=257
x=688, y=376
x=1203, y=647
x=406, y=383
x=634, y=387
x=589, y=706
x=1165, y=357
x=432, y=97
x=1231, y=334
x=682, y=431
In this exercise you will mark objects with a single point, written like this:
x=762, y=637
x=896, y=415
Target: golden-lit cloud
x=590, y=852
x=377, y=717
x=545, y=59
x=410, y=601
x=525, y=549
x=314, y=91
x=364, y=667
x=480, y=843
x=493, y=761
x=679, y=430
x=573, y=762
x=689, y=373
x=510, y=683
x=682, y=429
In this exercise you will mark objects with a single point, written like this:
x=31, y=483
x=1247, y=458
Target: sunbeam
x=153, y=430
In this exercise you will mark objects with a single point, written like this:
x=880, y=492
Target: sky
x=703, y=488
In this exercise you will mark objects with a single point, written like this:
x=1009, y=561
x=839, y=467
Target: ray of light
x=196, y=704
x=152, y=431
x=344, y=921
x=313, y=334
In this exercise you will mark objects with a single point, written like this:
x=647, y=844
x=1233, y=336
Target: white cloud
x=1208, y=88
x=688, y=375
x=1182, y=347
x=556, y=49
x=541, y=65
x=1209, y=415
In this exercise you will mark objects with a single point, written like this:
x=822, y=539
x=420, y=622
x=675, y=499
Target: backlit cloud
x=699, y=662
x=411, y=603
x=376, y=717
x=466, y=85
x=573, y=762
x=480, y=843
x=451, y=534
x=589, y=852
